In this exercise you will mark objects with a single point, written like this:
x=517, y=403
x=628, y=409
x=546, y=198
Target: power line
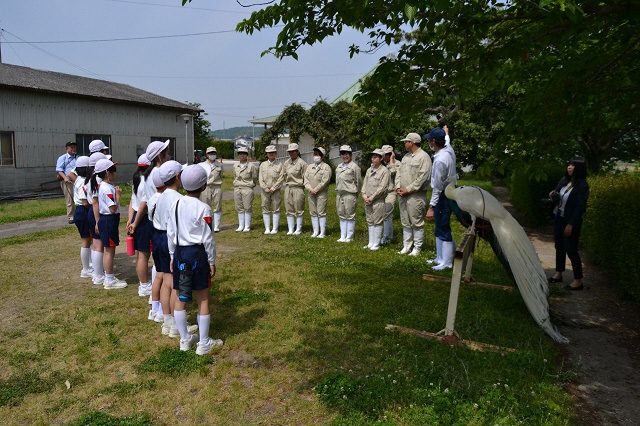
x=235, y=77
x=178, y=7
x=122, y=39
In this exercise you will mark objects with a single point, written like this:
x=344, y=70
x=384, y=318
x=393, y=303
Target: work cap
x=378, y=151
x=242, y=150
x=270, y=148
x=97, y=145
x=413, y=137
x=103, y=165
x=155, y=148
x=435, y=133
x=345, y=148
x=211, y=149
x=95, y=157
x=193, y=177
x=157, y=182
x=320, y=150
x=169, y=170
x=82, y=161
x=143, y=160
x=70, y=144
x=387, y=149
x=292, y=147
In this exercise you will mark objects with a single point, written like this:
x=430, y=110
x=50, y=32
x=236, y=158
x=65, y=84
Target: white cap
x=387, y=149
x=103, y=165
x=82, y=161
x=412, y=137
x=206, y=166
x=212, y=149
x=320, y=150
x=242, y=150
x=292, y=147
x=95, y=157
x=378, y=151
x=155, y=148
x=345, y=148
x=157, y=182
x=270, y=148
x=169, y=170
x=97, y=145
x=143, y=160
x=193, y=177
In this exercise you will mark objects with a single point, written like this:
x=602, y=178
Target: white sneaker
x=152, y=315
x=185, y=345
x=166, y=328
x=115, y=283
x=150, y=300
x=206, y=346
x=144, y=290
x=98, y=280
x=86, y=273
x=159, y=317
x=173, y=331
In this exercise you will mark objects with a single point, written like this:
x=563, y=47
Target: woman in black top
x=572, y=193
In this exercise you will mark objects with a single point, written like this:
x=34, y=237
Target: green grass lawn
x=303, y=322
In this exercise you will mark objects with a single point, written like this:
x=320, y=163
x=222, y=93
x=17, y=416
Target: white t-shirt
x=107, y=198
x=194, y=226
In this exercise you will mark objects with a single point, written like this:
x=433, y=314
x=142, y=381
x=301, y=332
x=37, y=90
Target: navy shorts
x=81, y=220
x=91, y=221
x=108, y=227
x=161, y=257
x=194, y=255
x=143, y=234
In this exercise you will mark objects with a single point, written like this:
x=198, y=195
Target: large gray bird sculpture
x=522, y=257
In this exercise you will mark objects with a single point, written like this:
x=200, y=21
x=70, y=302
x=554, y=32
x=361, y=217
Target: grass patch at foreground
x=303, y=322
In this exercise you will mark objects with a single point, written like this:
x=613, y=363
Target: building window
x=172, y=144
x=83, y=142
x=6, y=149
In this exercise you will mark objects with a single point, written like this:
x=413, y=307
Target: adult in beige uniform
x=270, y=180
x=412, y=181
x=212, y=194
x=294, y=169
x=348, y=185
x=245, y=176
x=316, y=182
x=374, y=192
x=390, y=201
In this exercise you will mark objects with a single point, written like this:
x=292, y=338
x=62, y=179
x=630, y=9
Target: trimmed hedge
x=526, y=192
x=611, y=227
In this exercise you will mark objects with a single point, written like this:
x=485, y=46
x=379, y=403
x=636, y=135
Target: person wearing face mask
x=270, y=178
x=391, y=164
x=245, y=176
x=348, y=184
x=444, y=167
x=294, y=169
x=374, y=192
x=316, y=182
x=212, y=195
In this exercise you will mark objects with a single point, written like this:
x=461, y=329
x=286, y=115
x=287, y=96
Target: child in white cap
x=80, y=215
x=155, y=314
x=93, y=215
x=109, y=206
x=192, y=248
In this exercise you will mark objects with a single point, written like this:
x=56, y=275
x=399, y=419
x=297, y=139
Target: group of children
x=176, y=230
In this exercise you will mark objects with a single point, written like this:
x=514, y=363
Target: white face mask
x=317, y=159
x=212, y=157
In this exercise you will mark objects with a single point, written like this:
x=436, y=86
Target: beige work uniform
x=294, y=192
x=390, y=200
x=271, y=178
x=244, y=180
x=348, y=184
x=414, y=175
x=317, y=177
x=375, y=187
x=212, y=194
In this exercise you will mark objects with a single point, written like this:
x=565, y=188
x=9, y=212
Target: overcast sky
x=224, y=72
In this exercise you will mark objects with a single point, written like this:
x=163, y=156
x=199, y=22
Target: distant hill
x=235, y=132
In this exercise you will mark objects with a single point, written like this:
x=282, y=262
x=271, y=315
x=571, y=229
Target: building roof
x=265, y=120
x=354, y=89
x=24, y=78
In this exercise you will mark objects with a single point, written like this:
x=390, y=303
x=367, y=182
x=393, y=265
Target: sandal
x=552, y=280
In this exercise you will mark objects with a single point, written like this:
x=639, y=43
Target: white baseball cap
x=95, y=157
x=193, y=177
x=143, y=160
x=169, y=170
x=97, y=145
x=103, y=165
x=82, y=161
x=270, y=148
x=155, y=148
x=157, y=182
x=292, y=147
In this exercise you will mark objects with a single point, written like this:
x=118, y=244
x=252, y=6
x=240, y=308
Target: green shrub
x=529, y=186
x=225, y=149
x=611, y=226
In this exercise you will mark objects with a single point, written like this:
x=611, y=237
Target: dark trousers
x=567, y=246
x=442, y=218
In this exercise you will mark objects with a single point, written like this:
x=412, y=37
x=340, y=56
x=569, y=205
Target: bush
x=225, y=149
x=527, y=189
x=611, y=227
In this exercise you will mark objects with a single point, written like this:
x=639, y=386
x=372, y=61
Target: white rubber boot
x=247, y=221
x=298, y=230
x=418, y=239
x=240, y=222
x=377, y=236
x=322, y=224
x=407, y=240
x=438, y=259
x=276, y=223
x=315, y=225
x=291, y=222
x=448, y=251
x=217, y=217
x=343, y=230
x=368, y=246
x=351, y=228
x=266, y=218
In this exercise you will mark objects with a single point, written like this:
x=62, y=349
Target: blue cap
x=435, y=133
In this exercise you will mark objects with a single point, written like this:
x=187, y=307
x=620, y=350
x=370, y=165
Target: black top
x=576, y=202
